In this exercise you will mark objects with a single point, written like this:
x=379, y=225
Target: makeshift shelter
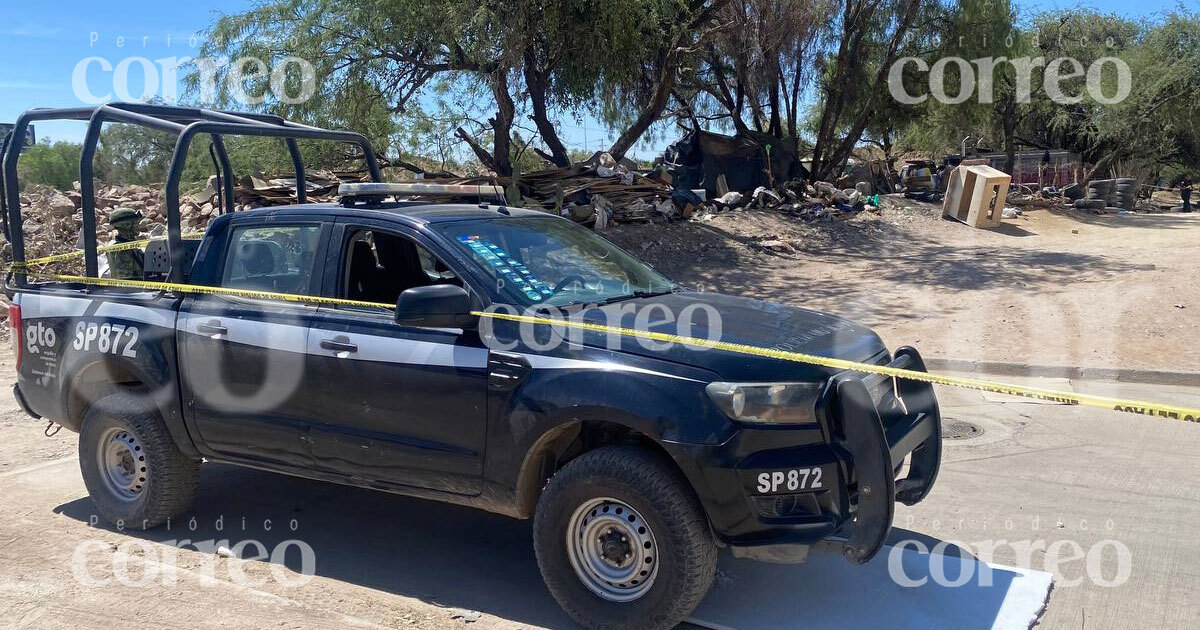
x=746, y=161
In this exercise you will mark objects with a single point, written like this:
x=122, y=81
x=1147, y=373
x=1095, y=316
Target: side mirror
x=435, y=306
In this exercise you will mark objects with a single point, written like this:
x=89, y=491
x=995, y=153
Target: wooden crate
x=975, y=195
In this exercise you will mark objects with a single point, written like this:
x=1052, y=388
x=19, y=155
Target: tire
x=1089, y=204
x=136, y=475
x=681, y=551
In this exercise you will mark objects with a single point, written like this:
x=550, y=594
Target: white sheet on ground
x=829, y=592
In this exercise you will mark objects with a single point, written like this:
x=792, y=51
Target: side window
x=276, y=258
x=380, y=266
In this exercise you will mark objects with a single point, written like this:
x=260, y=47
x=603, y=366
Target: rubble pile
x=599, y=193
x=608, y=193
x=52, y=219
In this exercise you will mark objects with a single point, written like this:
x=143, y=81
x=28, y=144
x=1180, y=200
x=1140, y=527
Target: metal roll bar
x=185, y=122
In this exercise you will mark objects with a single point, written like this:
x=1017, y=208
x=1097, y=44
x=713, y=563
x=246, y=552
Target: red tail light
x=14, y=325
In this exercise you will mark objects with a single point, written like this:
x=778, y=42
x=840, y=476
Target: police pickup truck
x=636, y=460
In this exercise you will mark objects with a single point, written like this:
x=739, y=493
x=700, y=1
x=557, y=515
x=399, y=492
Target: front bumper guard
x=878, y=433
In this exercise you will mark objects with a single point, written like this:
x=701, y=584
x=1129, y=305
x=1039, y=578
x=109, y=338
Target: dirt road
x=1045, y=476
x=1104, y=500
x=1049, y=288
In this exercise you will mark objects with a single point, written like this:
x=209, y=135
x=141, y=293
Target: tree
x=135, y=154
x=513, y=56
x=48, y=163
x=756, y=67
x=867, y=37
x=1154, y=123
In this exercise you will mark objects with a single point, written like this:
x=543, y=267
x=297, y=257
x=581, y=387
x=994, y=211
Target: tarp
x=697, y=159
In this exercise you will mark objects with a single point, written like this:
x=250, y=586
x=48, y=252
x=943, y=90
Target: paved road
x=1037, y=473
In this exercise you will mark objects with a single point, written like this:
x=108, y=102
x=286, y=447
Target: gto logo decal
x=38, y=336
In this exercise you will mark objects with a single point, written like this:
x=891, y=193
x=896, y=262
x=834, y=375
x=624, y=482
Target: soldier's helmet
x=124, y=216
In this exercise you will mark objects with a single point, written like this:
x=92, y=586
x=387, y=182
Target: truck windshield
x=553, y=261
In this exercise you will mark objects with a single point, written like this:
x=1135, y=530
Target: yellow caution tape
x=103, y=249
x=1068, y=398
x=207, y=290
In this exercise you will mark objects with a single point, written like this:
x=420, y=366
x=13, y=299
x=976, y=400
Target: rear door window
x=278, y=258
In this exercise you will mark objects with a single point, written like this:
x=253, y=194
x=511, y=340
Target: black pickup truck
x=635, y=460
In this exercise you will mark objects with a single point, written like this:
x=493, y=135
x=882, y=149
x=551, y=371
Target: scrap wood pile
x=605, y=193
x=599, y=194
x=257, y=190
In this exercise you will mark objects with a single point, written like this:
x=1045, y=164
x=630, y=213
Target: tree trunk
x=653, y=109
x=499, y=159
x=825, y=159
x=1010, y=137
x=536, y=82
x=481, y=153
x=1100, y=166
x=776, y=126
x=502, y=124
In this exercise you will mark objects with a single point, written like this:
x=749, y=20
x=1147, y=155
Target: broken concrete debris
x=52, y=221
x=601, y=192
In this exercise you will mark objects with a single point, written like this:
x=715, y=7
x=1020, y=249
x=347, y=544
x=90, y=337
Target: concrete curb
x=1153, y=377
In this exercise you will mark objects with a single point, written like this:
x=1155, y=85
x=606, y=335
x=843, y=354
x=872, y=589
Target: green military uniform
x=126, y=264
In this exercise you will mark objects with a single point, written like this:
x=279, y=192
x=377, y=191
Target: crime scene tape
x=103, y=249
x=1068, y=398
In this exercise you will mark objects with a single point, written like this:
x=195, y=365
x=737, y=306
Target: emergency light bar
x=383, y=189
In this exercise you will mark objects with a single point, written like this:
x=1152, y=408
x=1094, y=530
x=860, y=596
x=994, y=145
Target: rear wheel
x=135, y=474
x=622, y=541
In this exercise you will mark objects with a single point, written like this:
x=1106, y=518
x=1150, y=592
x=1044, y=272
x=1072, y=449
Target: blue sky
x=41, y=44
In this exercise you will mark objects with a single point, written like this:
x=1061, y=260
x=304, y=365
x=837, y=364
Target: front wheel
x=622, y=541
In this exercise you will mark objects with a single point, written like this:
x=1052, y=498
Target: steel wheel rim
x=123, y=466
x=612, y=550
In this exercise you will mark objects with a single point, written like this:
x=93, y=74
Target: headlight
x=767, y=403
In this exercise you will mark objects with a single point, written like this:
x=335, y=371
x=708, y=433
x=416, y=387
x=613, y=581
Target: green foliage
x=1156, y=123
x=412, y=74
x=972, y=29
x=54, y=164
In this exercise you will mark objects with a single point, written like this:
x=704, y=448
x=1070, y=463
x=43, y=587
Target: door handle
x=340, y=343
x=211, y=327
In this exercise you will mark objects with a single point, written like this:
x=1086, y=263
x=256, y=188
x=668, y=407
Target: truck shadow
x=442, y=554
x=457, y=557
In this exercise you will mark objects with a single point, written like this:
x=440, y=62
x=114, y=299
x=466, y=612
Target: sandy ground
x=1037, y=474
x=1040, y=477
x=1053, y=287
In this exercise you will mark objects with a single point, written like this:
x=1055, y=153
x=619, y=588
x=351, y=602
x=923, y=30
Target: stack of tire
x=1108, y=195
x=1124, y=193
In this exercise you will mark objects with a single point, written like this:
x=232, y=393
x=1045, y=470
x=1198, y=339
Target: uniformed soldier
x=126, y=264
